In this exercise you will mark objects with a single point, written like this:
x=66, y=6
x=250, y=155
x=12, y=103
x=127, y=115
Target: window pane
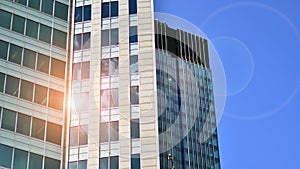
x=38, y=128
x=132, y=6
x=134, y=95
x=133, y=34
x=78, y=14
x=72, y=165
x=104, y=67
x=103, y=132
x=114, y=36
x=47, y=6
x=5, y=18
x=77, y=42
x=5, y=156
x=43, y=63
x=45, y=33
x=32, y=28
x=12, y=86
x=74, y=136
x=82, y=164
x=34, y=4
x=8, y=119
x=105, y=10
x=135, y=128
x=23, y=124
x=103, y=163
x=105, y=99
x=2, y=76
x=40, y=95
x=54, y=133
x=114, y=162
x=83, y=135
x=134, y=67
x=51, y=163
x=135, y=161
x=26, y=91
x=114, y=102
x=61, y=11
x=76, y=71
x=57, y=68
x=56, y=99
x=29, y=58
x=85, y=71
x=86, y=40
x=35, y=161
x=104, y=37
x=18, y=24
x=20, y=159
x=59, y=38
x=15, y=54
x=80, y=101
x=23, y=2
x=3, y=49
x=114, y=130
x=87, y=12
x=114, y=9
x=114, y=66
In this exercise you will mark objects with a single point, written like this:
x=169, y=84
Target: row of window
x=31, y=92
x=112, y=162
x=32, y=29
x=110, y=9
x=78, y=135
x=46, y=6
x=110, y=37
x=31, y=59
x=30, y=126
x=81, y=70
x=25, y=160
x=82, y=13
x=82, y=164
x=82, y=41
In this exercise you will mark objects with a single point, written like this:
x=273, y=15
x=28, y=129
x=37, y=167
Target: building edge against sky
x=106, y=50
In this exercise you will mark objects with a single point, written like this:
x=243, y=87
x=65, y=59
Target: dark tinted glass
x=57, y=68
x=78, y=14
x=103, y=163
x=5, y=18
x=18, y=24
x=40, y=95
x=86, y=40
x=105, y=10
x=51, y=163
x=12, y=86
x=83, y=135
x=114, y=130
x=104, y=37
x=61, y=10
x=87, y=13
x=3, y=49
x=134, y=95
x=34, y=4
x=135, y=128
x=132, y=6
x=35, y=161
x=54, y=133
x=43, y=63
x=38, y=128
x=85, y=71
x=23, y=2
x=134, y=67
x=133, y=36
x=114, y=162
x=2, y=77
x=5, y=156
x=56, y=99
x=135, y=161
x=23, y=124
x=104, y=67
x=29, y=58
x=8, y=120
x=15, y=54
x=59, y=38
x=26, y=91
x=45, y=33
x=77, y=42
x=32, y=28
x=114, y=36
x=74, y=136
x=114, y=8
x=20, y=159
x=82, y=164
x=47, y=6
x=104, y=132
x=114, y=102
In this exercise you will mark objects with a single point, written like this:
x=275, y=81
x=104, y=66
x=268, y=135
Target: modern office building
x=100, y=84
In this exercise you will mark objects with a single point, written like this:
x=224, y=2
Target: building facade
x=101, y=84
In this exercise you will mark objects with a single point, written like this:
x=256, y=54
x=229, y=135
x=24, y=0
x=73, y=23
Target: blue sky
x=259, y=45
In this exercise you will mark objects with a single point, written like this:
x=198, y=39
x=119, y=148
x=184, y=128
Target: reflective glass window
x=12, y=86
x=83, y=135
x=77, y=42
x=2, y=78
x=135, y=128
x=86, y=40
x=5, y=18
x=104, y=132
x=114, y=37
x=45, y=33
x=135, y=161
x=23, y=2
x=133, y=34
x=3, y=49
x=104, y=67
x=61, y=11
x=34, y=4
x=23, y=124
x=26, y=91
x=72, y=165
x=59, y=38
x=82, y=164
x=38, y=128
x=51, y=163
x=74, y=136
x=87, y=13
x=134, y=67
x=56, y=99
x=134, y=95
x=105, y=38
x=32, y=28
x=114, y=130
x=18, y=24
x=57, y=68
x=20, y=159
x=40, y=95
x=78, y=14
x=54, y=132
x=15, y=54
x=76, y=68
x=105, y=99
x=29, y=58
x=35, y=161
x=85, y=71
x=103, y=162
x=5, y=156
x=114, y=96
x=43, y=63
x=8, y=119
x=114, y=162
x=114, y=9
x=114, y=66
x=47, y=6
x=132, y=6
x=105, y=10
